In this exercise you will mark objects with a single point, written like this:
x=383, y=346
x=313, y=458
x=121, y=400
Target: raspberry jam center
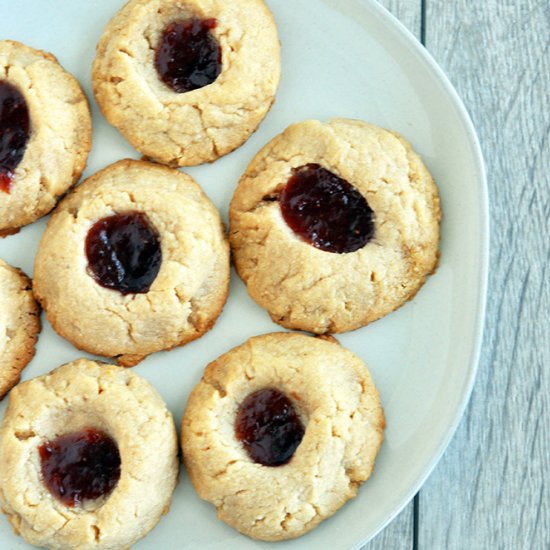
x=124, y=252
x=14, y=132
x=79, y=466
x=188, y=55
x=326, y=211
x=268, y=427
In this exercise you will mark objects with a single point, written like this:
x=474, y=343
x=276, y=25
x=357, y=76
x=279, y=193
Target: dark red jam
x=14, y=132
x=124, y=252
x=326, y=211
x=79, y=466
x=188, y=56
x=268, y=427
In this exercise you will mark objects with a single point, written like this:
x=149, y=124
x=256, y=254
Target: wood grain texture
x=399, y=534
x=491, y=489
x=407, y=11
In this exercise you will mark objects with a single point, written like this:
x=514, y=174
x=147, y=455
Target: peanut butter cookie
x=19, y=325
x=132, y=262
x=280, y=433
x=45, y=131
x=334, y=225
x=188, y=81
x=89, y=458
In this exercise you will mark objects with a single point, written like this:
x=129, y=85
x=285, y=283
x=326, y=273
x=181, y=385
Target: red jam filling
x=80, y=466
x=188, y=55
x=269, y=428
x=124, y=252
x=326, y=211
x=14, y=132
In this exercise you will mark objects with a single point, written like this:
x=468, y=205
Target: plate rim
x=424, y=56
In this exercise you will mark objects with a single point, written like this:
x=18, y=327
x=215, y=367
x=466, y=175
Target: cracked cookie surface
x=339, y=406
x=321, y=291
x=19, y=325
x=182, y=129
x=60, y=134
x=79, y=395
x=187, y=294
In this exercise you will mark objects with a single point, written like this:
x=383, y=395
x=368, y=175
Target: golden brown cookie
x=89, y=458
x=46, y=134
x=334, y=225
x=132, y=262
x=280, y=433
x=19, y=325
x=202, y=102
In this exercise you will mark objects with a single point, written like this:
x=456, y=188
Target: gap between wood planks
x=416, y=500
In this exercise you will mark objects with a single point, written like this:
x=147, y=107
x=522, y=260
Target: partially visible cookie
x=89, y=458
x=189, y=81
x=19, y=325
x=134, y=261
x=45, y=130
x=353, y=214
x=280, y=433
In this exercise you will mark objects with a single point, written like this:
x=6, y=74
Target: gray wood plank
x=398, y=535
x=491, y=489
x=407, y=11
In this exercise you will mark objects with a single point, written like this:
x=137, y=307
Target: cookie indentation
x=269, y=427
x=326, y=211
x=124, y=252
x=188, y=56
x=79, y=466
x=14, y=132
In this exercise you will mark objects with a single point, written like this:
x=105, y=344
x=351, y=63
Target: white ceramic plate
x=345, y=58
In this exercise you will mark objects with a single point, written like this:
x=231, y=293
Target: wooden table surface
x=491, y=489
